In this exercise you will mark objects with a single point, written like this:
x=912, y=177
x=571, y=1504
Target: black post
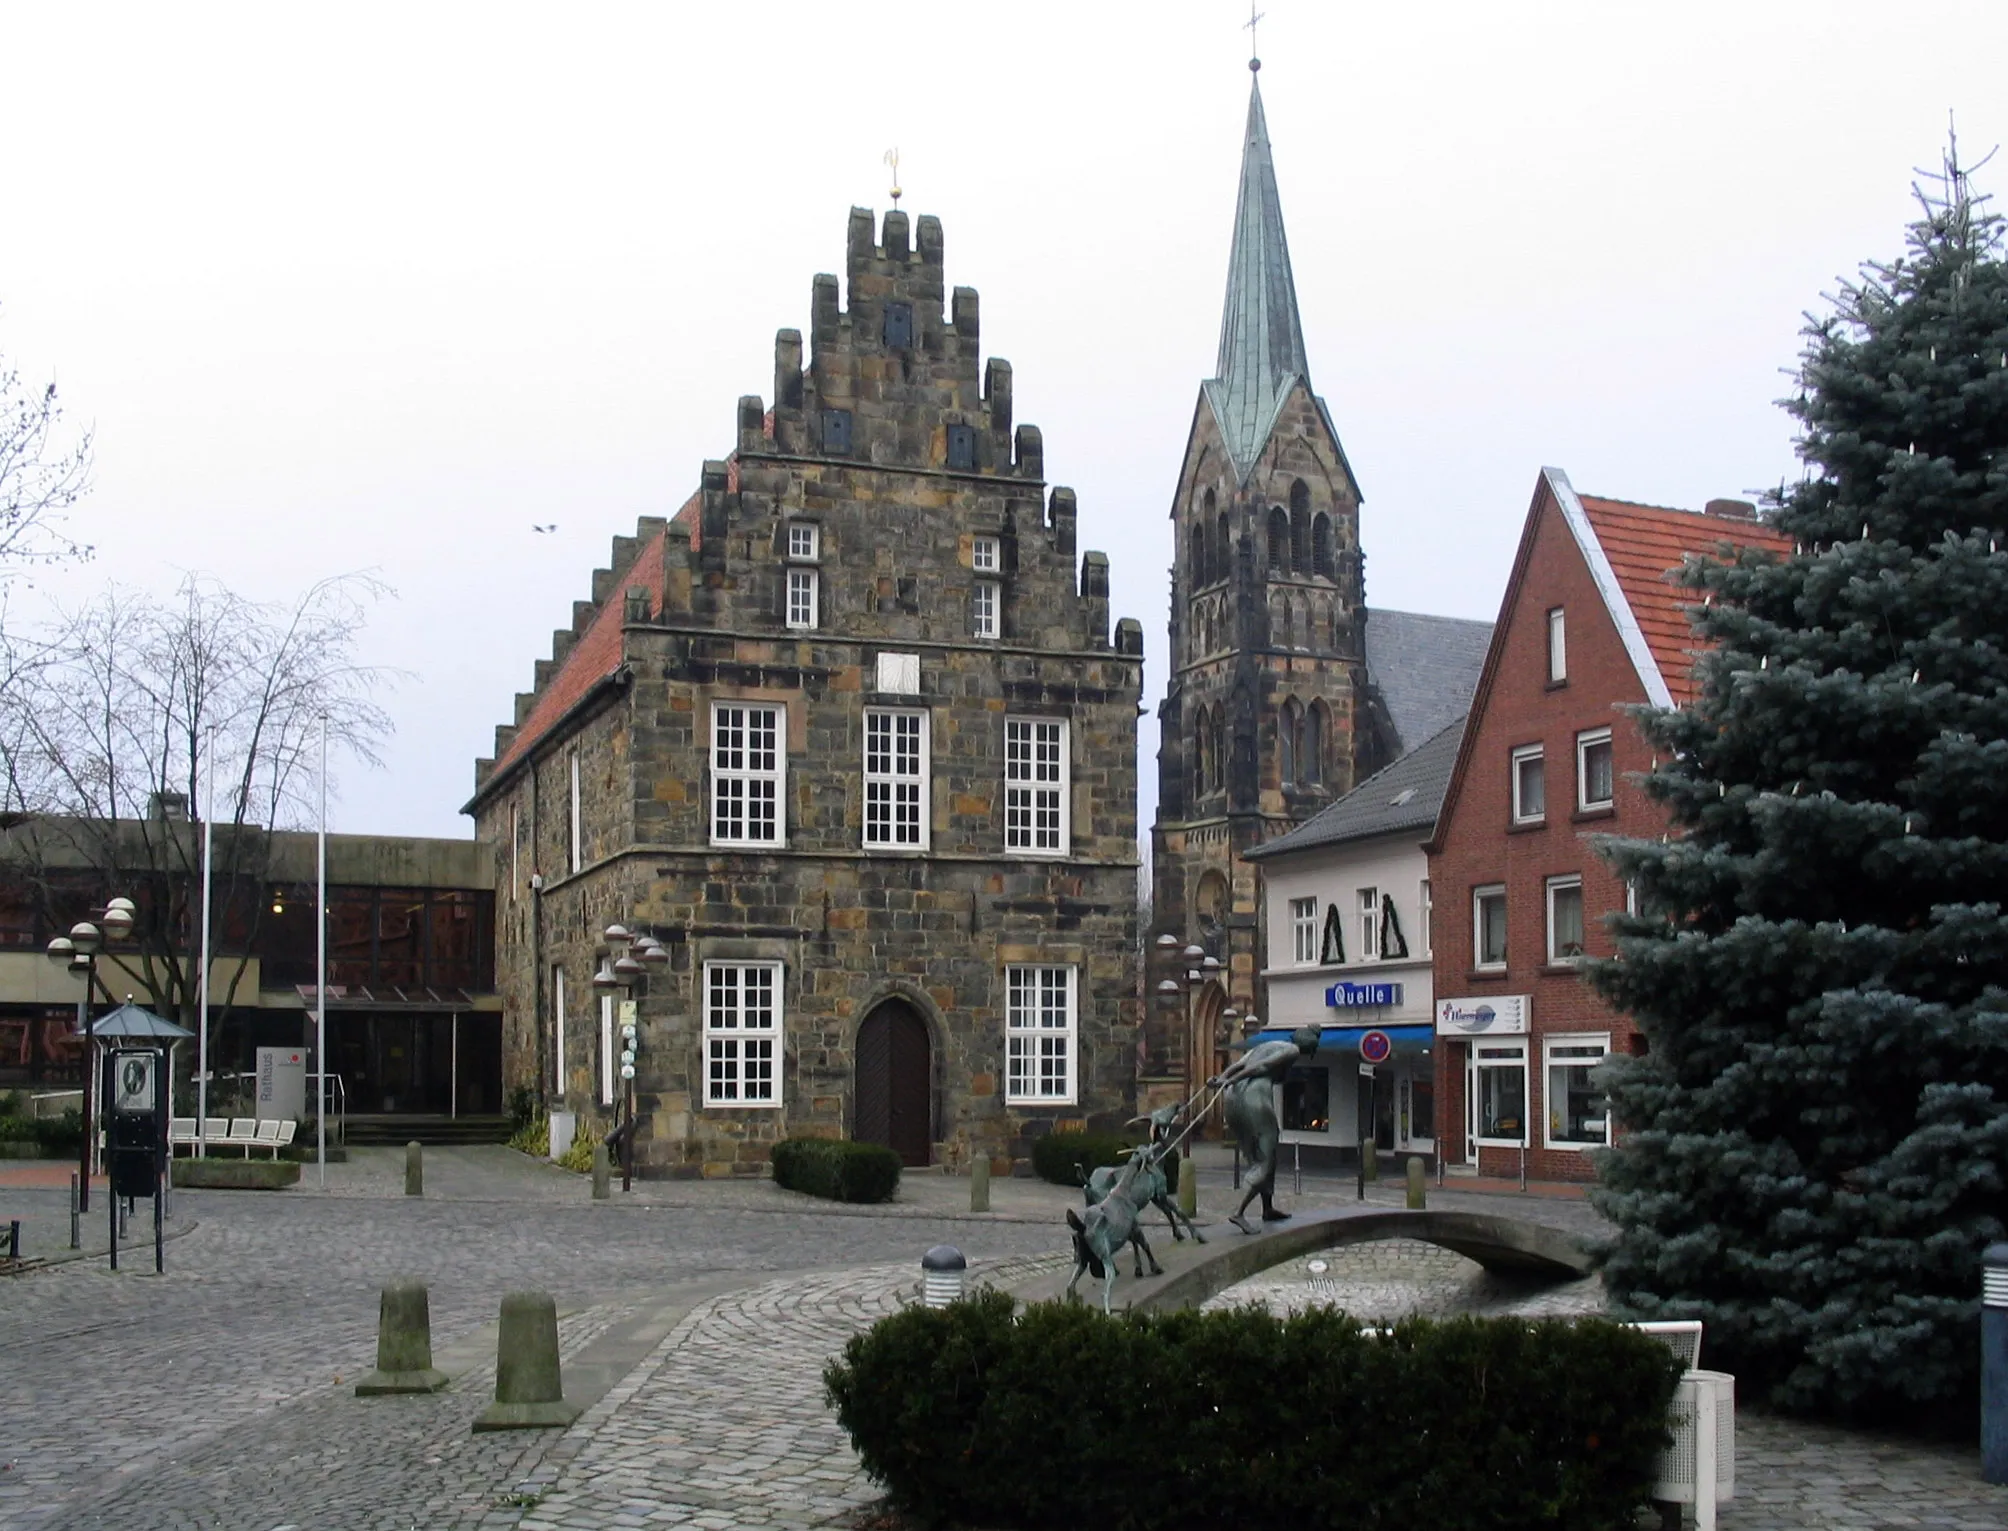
x=627, y=1142
x=84, y=1024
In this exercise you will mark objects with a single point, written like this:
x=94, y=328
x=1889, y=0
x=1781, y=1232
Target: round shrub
x=1068, y=1158
x=836, y=1169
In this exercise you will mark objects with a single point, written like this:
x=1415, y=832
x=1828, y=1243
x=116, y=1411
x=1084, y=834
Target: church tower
x=1266, y=717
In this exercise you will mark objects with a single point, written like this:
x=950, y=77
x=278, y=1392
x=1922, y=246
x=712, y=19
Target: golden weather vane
x=892, y=159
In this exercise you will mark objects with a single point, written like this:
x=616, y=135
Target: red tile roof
x=1645, y=545
x=593, y=658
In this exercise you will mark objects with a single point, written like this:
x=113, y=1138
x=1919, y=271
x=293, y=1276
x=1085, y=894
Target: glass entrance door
x=1415, y=1113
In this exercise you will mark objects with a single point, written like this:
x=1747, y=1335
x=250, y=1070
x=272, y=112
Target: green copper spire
x=1261, y=339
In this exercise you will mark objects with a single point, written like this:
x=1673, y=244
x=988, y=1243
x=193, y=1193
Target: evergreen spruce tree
x=1817, y=1135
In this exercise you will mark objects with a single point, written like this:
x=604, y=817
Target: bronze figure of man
x=1252, y=1097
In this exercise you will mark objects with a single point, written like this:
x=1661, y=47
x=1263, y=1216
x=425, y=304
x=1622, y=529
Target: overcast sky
x=357, y=286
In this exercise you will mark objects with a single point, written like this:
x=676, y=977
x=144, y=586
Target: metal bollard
x=1994, y=1363
x=76, y=1232
x=979, y=1183
x=1418, y=1186
x=942, y=1272
x=1297, y=1151
x=414, y=1169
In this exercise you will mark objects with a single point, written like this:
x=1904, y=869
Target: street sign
x=1366, y=1071
x=1376, y=1047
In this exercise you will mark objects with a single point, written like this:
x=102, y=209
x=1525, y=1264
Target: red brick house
x=1593, y=620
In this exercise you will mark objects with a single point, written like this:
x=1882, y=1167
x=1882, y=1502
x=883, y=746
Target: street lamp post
x=624, y=966
x=78, y=951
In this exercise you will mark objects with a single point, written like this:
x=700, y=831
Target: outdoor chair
x=217, y=1132
x=268, y=1137
x=243, y=1133
x=180, y=1134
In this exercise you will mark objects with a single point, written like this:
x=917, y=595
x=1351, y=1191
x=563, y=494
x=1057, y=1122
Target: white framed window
x=1039, y=1043
x=804, y=592
x=1428, y=908
x=896, y=766
x=1500, y=1093
x=1578, y=1114
x=577, y=856
x=1565, y=919
x=1631, y=898
x=1035, y=786
x=1370, y=923
x=1595, y=784
x=1488, y=926
x=558, y=1032
x=747, y=767
x=985, y=555
x=983, y=603
x=742, y=1033
x=805, y=541
x=607, y=1049
x=1558, y=647
x=1530, y=785
x=1304, y=930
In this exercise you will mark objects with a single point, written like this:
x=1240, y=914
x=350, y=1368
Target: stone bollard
x=1418, y=1187
x=529, y=1393
x=1994, y=1363
x=1188, y=1186
x=1369, y=1159
x=979, y=1183
x=603, y=1173
x=414, y=1169
x=404, y=1345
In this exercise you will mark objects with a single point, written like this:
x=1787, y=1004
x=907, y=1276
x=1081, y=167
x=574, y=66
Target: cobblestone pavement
x=1399, y=1277
x=695, y=1326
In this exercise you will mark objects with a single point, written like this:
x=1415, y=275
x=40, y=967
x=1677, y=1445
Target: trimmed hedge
x=236, y=1174
x=1060, y=1157
x=56, y=1134
x=836, y=1169
x=1164, y=1422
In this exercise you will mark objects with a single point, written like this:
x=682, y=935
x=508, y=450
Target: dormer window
x=805, y=542
x=898, y=326
x=962, y=446
x=985, y=556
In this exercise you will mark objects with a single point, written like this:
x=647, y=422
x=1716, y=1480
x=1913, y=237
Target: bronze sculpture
x=1250, y=1087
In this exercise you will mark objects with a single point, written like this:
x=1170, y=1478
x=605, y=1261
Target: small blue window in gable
x=898, y=326
x=962, y=446
x=837, y=430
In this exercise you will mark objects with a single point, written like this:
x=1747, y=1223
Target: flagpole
x=202, y=980
x=321, y=972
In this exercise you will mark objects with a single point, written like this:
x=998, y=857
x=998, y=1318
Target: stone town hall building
x=1284, y=689
x=852, y=736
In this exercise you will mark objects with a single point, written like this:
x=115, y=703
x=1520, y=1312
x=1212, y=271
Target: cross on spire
x=1254, y=53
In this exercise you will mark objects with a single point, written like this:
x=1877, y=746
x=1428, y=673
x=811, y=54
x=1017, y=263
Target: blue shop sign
x=1362, y=996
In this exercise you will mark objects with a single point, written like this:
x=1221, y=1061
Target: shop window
x=1304, y=930
x=1530, y=785
x=1565, y=919
x=1594, y=782
x=1307, y=1100
x=1501, y=1096
x=1488, y=921
x=1578, y=1114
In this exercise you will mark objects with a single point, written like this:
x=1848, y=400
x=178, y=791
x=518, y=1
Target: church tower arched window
x=1279, y=542
x=1300, y=526
x=1223, y=543
x=1311, y=753
x=1196, y=557
x=1288, y=725
x=1321, y=545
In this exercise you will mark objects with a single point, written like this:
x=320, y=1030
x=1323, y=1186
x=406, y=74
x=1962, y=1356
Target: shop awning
x=356, y=997
x=1409, y=1041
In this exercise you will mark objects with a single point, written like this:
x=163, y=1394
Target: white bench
x=181, y=1134
x=273, y=1136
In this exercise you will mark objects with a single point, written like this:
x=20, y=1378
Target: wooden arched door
x=894, y=1082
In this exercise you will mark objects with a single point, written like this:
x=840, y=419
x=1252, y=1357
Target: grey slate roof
x=1425, y=668
x=1261, y=337
x=1406, y=795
